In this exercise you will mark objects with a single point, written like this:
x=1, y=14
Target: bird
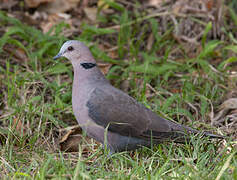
x=111, y=116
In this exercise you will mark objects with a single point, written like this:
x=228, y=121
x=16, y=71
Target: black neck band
x=88, y=65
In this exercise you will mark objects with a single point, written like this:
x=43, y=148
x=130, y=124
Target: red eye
x=70, y=48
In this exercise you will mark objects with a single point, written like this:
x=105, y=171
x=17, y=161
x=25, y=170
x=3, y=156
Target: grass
x=36, y=101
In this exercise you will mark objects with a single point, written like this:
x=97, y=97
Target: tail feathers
x=183, y=134
x=182, y=137
x=178, y=134
x=207, y=134
x=188, y=130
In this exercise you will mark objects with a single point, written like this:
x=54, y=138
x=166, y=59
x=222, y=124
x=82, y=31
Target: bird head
x=75, y=51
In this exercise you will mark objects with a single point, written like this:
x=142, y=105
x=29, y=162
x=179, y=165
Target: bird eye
x=70, y=48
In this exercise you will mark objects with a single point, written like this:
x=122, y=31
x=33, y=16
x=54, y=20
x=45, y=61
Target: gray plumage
x=101, y=109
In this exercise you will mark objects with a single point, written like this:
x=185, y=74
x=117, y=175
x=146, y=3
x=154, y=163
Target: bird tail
x=186, y=131
x=207, y=134
x=178, y=134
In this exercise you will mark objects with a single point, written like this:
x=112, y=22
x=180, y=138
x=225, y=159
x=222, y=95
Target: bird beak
x=57, y=56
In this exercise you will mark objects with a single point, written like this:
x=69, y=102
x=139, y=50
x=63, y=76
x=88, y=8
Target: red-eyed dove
x=109, y=115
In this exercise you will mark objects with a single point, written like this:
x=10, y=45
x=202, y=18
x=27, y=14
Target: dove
x=111, y=116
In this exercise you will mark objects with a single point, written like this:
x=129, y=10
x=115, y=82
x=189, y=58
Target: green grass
x=37, y=93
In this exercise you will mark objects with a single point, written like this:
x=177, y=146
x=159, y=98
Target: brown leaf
x=52, y=20
x=7, y=4
x=73, y=138
x=71, y=144
x=150, y=41
x=18, y=126
x=18, y=53
x=209, y=4
x=224, y=111
x=59, y=6
x=113, y=53
x=177, y=7
x=229, y=104
x=91, y=13
x=156, y=3
x=71, y=141
x=174, y=90
x=104, y=67
x=102, y=4
x=36, y=3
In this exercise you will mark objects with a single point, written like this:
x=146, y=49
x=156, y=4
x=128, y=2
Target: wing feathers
x=125, y=116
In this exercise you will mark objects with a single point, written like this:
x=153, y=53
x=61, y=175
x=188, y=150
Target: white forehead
x=74, y=43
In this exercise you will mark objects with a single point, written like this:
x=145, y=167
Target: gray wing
x=112, y=108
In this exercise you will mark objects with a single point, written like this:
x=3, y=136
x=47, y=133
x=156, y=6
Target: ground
x=176, y=57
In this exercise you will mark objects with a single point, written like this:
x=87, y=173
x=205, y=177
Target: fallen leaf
x=59, y=6
x=18, y=127
x=71, y=140
x=150, y=41
x=91, y=14
x=177, y=7
x=156, y=3
x=224, y=111
x=104, y=67
x=52, y=20
x=229, y=104
x=19, y=54
x=103, y=5
x=7, y=4
x=36, y=3
x=209, y=4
